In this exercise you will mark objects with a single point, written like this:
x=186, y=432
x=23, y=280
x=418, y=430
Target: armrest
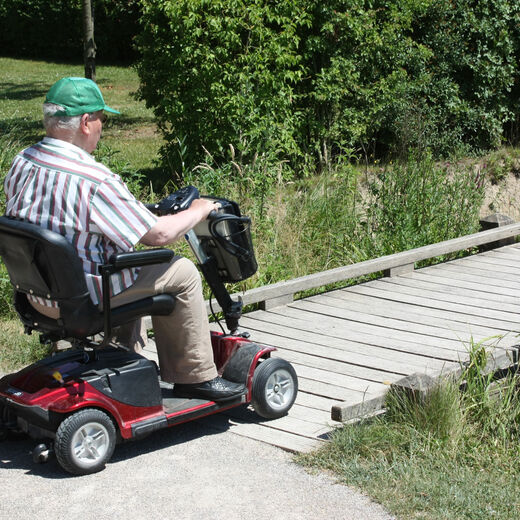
x=139, y=258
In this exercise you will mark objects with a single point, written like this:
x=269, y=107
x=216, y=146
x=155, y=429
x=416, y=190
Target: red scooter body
x=123, y=384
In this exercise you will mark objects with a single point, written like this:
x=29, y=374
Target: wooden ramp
x=349, y=345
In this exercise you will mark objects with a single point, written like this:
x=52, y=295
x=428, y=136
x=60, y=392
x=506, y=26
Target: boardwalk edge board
x=348, y=411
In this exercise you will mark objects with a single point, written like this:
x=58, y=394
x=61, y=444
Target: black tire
x=85, y=441
x=274, y=389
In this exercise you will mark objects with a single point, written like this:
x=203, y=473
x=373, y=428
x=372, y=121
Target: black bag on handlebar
x=226, y=236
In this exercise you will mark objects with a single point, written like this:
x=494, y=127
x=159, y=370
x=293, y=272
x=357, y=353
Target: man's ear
x=83, y=125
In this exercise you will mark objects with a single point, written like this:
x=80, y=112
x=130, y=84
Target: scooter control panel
x=177, y=201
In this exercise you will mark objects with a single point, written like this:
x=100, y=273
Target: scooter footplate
x=179, y=404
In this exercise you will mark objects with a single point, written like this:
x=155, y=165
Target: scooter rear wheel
x=274, y=389
x=85, y=441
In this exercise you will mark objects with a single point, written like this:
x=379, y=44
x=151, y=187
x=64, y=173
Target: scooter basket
x=227, y=238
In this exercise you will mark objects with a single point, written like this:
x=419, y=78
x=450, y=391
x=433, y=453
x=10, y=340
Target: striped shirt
x=61, y=187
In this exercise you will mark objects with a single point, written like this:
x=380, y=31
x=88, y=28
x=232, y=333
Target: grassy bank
x=452, y=455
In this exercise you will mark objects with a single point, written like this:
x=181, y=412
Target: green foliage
x=411, y=205
x=494, y=405
x=500, y=163
x=475, y=48
x=219, y=73
x=306, y=81
x=340, y=217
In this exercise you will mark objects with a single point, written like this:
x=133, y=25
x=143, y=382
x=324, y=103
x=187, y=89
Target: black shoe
x=217, y=389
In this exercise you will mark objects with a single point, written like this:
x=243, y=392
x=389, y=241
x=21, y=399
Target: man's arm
x=170, y=228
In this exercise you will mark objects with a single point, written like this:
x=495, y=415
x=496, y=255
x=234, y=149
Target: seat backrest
x=40, y=261
x=43, y=263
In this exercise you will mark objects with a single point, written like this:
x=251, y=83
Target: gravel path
x=190, y=471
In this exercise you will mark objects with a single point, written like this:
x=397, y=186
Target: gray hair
x=52, y=122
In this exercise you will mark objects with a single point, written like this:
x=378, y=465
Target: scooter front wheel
x=85, y=441
x=275, y=385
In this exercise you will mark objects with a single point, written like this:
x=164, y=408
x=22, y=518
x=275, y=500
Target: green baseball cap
x=77, y=96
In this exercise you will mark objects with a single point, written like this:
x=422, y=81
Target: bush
x=304, y=79
x=217, y=73
x=412, y=205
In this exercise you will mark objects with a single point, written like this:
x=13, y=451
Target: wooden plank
x=396, y=362
x=369, y=373
x=462, y=337
x=492, y=263
x=302, y=316
x=347, y=383
x=313, y=415
x=348, y=410
x=363, y=333
x=506, y=252
x=450, y=278
x=287, y=441
x=446, y=293
x=316, y=402
x=281, y=439
x=474, y=274
x=461, y=344
x=432, y=333
x=311, y=385
x=419, y=298
x=469, y=288
x=416, y=313
x=288, y=423
x=337, y=348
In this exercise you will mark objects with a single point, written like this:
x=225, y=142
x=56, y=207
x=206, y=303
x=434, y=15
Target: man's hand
x=205, y=206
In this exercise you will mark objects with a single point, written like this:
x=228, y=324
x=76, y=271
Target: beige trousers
x=183, y=337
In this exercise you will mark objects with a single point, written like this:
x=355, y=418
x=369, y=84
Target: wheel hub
x=90, y=443
x=279, y=388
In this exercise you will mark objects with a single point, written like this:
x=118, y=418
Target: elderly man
x=57, y=184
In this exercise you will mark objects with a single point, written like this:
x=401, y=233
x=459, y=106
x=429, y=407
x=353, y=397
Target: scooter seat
x=43, y=263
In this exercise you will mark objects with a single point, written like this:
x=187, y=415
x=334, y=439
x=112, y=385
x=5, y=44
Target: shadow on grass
x=26, y=131
x=158, y=177
x=25, y=92
x=124, y=121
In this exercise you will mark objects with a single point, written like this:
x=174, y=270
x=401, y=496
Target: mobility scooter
x=81, y=401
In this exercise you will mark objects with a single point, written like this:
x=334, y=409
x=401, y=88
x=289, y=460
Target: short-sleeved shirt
x=61, y=187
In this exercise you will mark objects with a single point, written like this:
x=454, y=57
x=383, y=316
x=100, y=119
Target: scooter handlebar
x=176, y=202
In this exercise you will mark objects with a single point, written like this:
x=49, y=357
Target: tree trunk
x=89, y=46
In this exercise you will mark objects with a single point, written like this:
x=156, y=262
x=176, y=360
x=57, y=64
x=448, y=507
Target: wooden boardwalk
x=349, y=345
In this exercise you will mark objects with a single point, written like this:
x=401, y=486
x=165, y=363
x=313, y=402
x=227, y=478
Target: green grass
x=16, y=348
x=22, y=92
x=452, y=455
